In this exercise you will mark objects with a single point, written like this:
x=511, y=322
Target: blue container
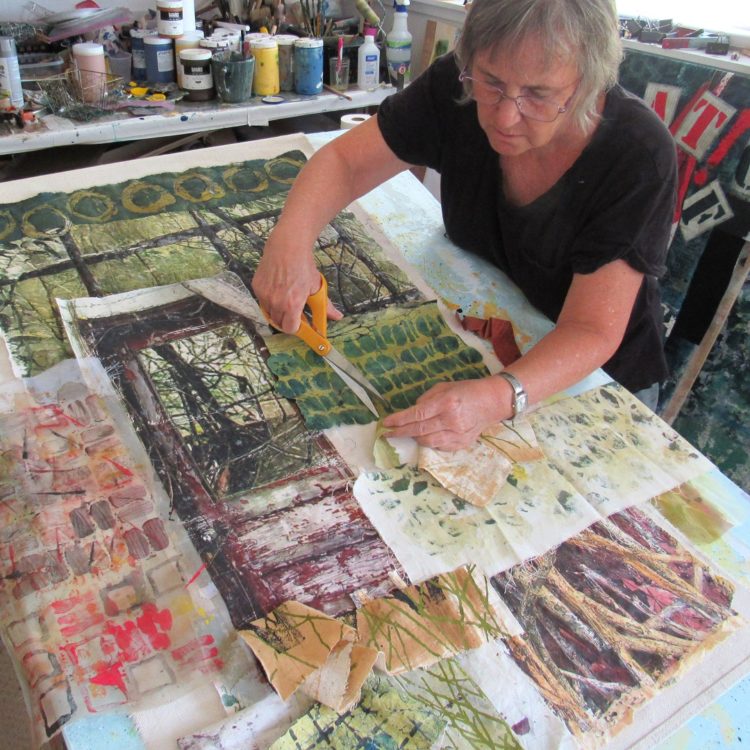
x=138, y=49
x=308, y=66
x=160, y=67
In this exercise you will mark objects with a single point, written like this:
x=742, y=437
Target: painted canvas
x=603, y=451
x=708, y=112
x=266, y=502
x=610, y=616
x=96, y=602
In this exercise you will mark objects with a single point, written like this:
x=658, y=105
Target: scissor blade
x=227, y=290
x=354, y=378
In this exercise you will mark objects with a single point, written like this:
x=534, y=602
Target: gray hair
x=582, y=31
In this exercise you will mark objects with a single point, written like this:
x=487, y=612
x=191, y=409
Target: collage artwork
x=172, y=472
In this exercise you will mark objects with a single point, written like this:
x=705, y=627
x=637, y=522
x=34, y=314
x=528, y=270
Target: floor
x=14, y=724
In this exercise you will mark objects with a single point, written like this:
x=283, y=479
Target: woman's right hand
x=286, y=276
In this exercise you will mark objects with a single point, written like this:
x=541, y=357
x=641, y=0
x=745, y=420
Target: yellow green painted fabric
x=403, y=350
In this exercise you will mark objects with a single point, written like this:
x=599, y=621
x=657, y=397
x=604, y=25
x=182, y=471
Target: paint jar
x=10, y=73
x=216, y=45
x=189, y=40
x=138, y=50
x=231, y=36
x=286, y=58
x=169, y=20
x=159, y=59
x=308, y=66
x=233, y=77
x=266, y=54
x=195, y=71
x=91, y=67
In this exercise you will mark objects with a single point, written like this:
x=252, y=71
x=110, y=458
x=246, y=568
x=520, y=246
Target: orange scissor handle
x=313, y=331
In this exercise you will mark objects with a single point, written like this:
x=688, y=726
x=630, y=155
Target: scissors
x=313, y=332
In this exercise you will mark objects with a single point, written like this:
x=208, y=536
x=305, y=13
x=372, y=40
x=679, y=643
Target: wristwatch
x=520, y=397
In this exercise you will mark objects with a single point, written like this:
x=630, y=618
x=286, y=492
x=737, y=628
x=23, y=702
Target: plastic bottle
x=91, y=71
x=368, y=62
x=398, y=46
x=169, y=18
x=308, y=66
x=10, y=75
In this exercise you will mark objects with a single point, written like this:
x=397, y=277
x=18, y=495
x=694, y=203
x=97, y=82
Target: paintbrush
x=338, y=93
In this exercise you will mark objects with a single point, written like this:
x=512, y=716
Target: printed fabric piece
x=267, y=503
x=418, y=625
x=614, y=450
x=610, y=617
x=301, y=647
x=431, y=530
x=476, y=474
x=402, y=350
x=603, y=451
x=386, y=718
x=716, y=521
x=94, y=596
x=473, y=722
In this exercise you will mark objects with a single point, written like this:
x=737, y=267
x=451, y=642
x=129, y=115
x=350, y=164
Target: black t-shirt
x=615, y=202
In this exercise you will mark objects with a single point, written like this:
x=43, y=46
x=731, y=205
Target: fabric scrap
x=497, y=331
x=403, y=350
x=300, y=647
x=386, y=718
x=418, y=625
x=478, y=473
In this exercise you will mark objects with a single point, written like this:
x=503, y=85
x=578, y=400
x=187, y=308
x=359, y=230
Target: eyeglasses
x=533, y=107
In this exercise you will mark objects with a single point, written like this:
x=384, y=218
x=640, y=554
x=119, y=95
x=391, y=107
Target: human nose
x=506, y=111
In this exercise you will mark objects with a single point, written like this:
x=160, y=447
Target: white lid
x=282, y=39
x=195, y=54
x=214, y=43
x=309, y=43
x=141, y=33
x=269, y=43
x=88, y=49
x=220, y=33
x=169, y=4
x=158, y=40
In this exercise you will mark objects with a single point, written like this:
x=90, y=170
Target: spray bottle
x=398, y=46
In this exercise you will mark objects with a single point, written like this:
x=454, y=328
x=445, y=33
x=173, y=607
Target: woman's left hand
x=451, y=416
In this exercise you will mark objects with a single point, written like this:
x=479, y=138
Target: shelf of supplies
x=186, y=118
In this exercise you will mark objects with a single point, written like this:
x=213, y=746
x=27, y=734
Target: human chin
x=507, y=144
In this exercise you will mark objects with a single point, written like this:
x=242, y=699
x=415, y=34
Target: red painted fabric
x=497, y=331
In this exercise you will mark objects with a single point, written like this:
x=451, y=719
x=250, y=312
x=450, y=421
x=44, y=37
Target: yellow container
x=266, y=76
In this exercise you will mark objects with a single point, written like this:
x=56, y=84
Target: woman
x=548, y=169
